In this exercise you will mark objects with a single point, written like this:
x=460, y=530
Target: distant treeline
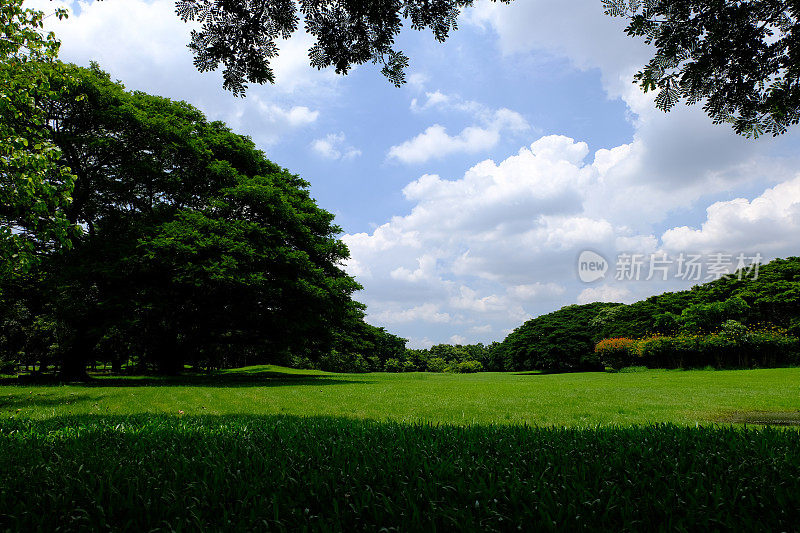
x=729, y=322
x=726, y=323
x=395, y=357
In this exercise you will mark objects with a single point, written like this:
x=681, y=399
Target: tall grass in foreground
x=247, y=472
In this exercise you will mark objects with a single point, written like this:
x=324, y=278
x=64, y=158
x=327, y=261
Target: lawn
x=268, y=448
x=584, y=399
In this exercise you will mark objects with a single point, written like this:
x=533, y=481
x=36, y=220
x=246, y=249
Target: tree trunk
x=168, y=356
x=74, y=367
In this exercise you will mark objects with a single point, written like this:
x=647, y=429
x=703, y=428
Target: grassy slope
x=565, y=399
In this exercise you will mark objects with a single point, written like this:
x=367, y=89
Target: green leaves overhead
x=741, y=60
x=241, y=35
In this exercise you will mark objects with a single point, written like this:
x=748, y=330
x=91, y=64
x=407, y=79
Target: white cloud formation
x=294, y=116
x=334, y=146
x=532, y=291
x=436, y=143
x=427, y=312
x=764, y=225
x=417, y=80
x=144, y=44
x=432, y=99
x=500, y=244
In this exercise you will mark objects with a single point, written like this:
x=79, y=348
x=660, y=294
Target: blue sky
x=467, y=195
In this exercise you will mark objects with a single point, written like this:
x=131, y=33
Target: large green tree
x=564, y=340
x=195, y=249
x=740, y=59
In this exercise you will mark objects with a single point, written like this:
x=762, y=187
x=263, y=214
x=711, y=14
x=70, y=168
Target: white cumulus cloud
x=334, y=146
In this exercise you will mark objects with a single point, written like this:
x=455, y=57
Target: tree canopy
x=741, y=60
x=564, y=340
x=194, y=247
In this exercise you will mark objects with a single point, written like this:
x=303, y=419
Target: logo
x=591, y=266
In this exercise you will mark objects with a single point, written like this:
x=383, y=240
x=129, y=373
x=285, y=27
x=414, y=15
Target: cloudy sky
x=467, y=196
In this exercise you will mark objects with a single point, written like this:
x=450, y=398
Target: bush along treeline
x=729, y=322
x=733, y=346
x=388, y=353
x=188, y=246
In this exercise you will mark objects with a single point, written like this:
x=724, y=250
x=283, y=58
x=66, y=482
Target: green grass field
x=268, y=448
x=585, y=399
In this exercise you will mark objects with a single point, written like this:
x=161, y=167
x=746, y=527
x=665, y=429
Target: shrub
x=345, y=363
x=436, y=364
x=8, y=367
x=466, y=367
x=393, y=365
x=301, y=361
x=617, y=352
x=408, y=366
x=734, y=346
x=633, y=369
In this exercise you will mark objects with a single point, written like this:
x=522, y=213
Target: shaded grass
x=762, y=418
x=285, y=473
x=575, y=400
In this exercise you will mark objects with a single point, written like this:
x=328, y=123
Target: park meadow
x=190, y=341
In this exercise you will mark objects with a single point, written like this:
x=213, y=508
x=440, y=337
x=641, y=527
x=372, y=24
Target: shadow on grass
x=263, y=378
x=244, y=473
x=761, y=418
x=44, y=400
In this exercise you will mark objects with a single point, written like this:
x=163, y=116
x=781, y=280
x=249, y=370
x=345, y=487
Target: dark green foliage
x=289, y=473
x=242, y=35
x=564, y=340
x=763, y=349
x=393, y=365
x=374, y=345
x=740, y=59
x=561, y=341
x=467, y=367
x=35, y=185
x=349, y=363
x=436, y=364
x=771, y=299
x=196, y=249
x=448, y=357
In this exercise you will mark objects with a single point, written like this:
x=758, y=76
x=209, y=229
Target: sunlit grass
x=281, y=449
x=585, y=399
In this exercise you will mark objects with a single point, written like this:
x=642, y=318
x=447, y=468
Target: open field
x=585, y=399
x=274, y=449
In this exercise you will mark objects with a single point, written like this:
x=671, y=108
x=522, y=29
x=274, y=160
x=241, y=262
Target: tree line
x=729, y=322
x=565, y=340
